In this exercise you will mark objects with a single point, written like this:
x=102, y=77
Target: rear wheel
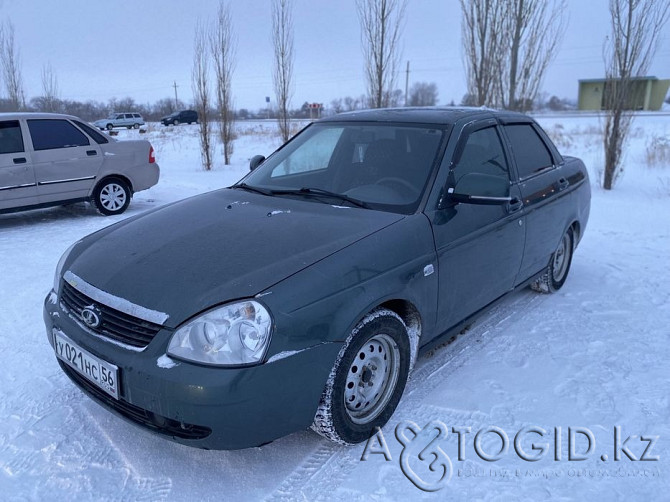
x=556, y=273
x=112, y=196
x=175, y=122
x=367, y=381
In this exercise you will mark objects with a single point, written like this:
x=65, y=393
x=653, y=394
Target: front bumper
x=204, y=407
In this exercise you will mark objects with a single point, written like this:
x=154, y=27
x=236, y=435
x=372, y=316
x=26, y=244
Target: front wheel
x=175, y=122
x=556, y=272
x=136, y=126
x=110, y=127
x=112, y=196
x=367, y=380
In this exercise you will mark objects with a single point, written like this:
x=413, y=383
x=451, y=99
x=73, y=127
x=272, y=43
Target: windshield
x=379, y=166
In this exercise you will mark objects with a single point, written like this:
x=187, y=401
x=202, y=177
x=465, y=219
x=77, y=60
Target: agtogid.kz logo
x=425, y=463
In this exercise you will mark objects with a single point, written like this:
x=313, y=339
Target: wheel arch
x=576, y=233
x=410, y=316
x=108, y=177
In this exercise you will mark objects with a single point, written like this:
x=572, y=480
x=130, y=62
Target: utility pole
x=406, y=83
x=176, y=101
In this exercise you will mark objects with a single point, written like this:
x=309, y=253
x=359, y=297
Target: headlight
x=59, y=267
x=231, y=335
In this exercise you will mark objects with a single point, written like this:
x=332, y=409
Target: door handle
x=91, y=153
x=514, y=205
x=20, y=160
x=563, y=184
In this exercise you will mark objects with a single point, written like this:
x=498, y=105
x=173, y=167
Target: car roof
x=35, y=115
x=423, y=115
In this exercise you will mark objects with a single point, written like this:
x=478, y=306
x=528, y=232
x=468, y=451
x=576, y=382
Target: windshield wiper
x=251, y=188
x=318, y=192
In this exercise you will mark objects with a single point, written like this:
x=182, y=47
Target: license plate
x=101, y=373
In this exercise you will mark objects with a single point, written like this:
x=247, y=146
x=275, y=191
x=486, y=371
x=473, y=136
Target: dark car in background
x=181, y=117
x=302, y=295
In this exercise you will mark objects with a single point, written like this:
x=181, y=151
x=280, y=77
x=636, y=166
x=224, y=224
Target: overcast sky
x=101, y=48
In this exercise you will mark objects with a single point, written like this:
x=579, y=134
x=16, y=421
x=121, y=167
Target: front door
x=479, y=247
x=66, y=163
x=17, y=179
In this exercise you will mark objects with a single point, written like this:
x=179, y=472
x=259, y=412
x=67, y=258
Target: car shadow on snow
x=69, y=214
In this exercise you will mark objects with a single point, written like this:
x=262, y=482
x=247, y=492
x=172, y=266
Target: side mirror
x=255, y=161
x=477, y=188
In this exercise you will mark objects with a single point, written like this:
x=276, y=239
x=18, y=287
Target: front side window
x=49, y=134
x=482, y=168
x=11, y=139
x=530, y=152
x=385, y=166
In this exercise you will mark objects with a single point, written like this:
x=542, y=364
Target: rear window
x=97, y=137
x=530, y=151
x=49, y=134
x=11, y=139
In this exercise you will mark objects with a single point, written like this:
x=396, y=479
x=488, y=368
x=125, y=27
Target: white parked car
x=47, y=159
x=129, y=120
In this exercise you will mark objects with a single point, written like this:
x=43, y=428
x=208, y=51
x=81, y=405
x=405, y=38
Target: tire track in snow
x=60, y=447
x=323, y=471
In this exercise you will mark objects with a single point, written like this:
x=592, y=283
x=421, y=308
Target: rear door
x=66, y=162
x=544, y=190
x=17, y=178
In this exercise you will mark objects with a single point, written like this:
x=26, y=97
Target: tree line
x=507, y=46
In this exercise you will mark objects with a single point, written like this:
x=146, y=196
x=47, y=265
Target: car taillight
x=152, y=155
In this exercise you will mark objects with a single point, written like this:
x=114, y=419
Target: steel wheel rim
x=372, y=379
x=561, y=259
x=112, y=197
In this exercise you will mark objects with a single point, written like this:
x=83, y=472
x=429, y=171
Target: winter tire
x=112, y=196
x=556, y=272
x=367, y=380
x=110, y=127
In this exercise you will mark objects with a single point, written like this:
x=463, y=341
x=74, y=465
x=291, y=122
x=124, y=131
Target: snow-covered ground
x=593, y=356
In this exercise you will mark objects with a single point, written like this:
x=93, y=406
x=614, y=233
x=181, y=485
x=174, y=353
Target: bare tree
x=381, y=27
x=636, y=27
x=508, y=45
x=483, y=49
x=222, y=42
x=282, y=40
x=201, y=93
x=423, y=94
x=533, y=30
x=10, y=60
x=50, y=93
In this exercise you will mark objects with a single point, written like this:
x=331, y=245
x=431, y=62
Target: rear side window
x=11, y=139
x=529, y=150
x=49, y=134
x=97, y=137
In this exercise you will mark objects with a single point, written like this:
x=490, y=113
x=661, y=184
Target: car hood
x=224, y=245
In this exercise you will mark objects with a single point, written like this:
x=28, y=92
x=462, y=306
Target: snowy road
x=593, y=356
